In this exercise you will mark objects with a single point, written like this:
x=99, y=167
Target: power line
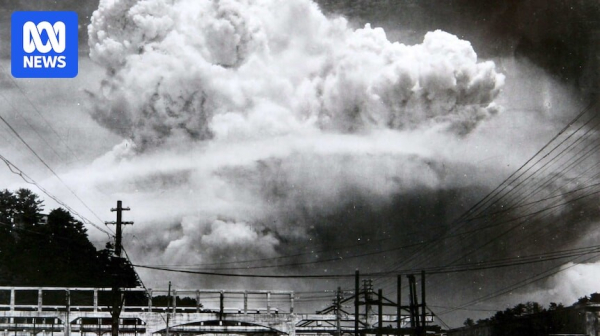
x=519, y=284
x=521, y=171
x=439, y=318
x=499, y=188
x=134, y=270
x=17, y=171
x=523, y=217
x=469, y=309
x=561, y=254
x=340, y=258
x=13, y=144
x=555, y=205
x=564, y=169
x=500, y=263
x=281, y=257
x=49, y=168
x=286, y=276
x=448, y=267
x=344, y=258
x=31, y=126
x=540, y=160
x=34, y=107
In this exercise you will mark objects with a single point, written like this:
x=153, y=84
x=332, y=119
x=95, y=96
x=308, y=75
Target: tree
x=56, y=254
x=533, y=308
x=554, y=306
x=23, y=208
x=62, y=224
x=469, y=322
x=8, y=205
x=583, y=300
x=28, y=208
x=523, y=318
x=7, y=239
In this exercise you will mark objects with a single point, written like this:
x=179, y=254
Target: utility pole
x=67, y=324
x=117, y=301
x=356, y=301
x=168, y=308
x=414, y=304
x=380, y=312
x=399, y=308
x=338, y=311
x=368, y=290
x=423, y=305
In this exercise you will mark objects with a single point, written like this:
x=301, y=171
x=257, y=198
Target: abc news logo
x=32, y=41
x=44, y=45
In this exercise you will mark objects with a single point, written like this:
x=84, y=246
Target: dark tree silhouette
x=28, y=208
x=555, y=306
x=531, y=318
x=8, y=205
x=58, y=253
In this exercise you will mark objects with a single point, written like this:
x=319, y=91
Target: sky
x=236, y=131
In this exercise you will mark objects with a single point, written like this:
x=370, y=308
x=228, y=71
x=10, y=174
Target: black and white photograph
x=300, y=167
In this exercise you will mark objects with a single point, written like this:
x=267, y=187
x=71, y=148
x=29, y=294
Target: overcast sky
x=261, y=136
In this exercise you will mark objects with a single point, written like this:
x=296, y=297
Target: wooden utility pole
x=414, y=304
x=423, y=305
x=168, y=308
x=356, y=301
x=67, y=323
x=399, y=302
x=368, y=290
x=380, y=312
x=418, y=321
x=338, y=311
x=116, y=293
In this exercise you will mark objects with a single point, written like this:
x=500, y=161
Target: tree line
x=53, y=249
x=529, y=308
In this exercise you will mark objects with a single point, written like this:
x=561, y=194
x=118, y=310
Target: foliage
x=57, y=253
x=163, y=301
x=504, y=318
x=22, y=208
x=554, y=306
x=519, y=310
x=593, y=298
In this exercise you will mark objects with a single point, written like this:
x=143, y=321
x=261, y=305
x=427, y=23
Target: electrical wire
x=456, y=224
x=476, y=209
x=34, y=107
x=17, y=171
x=537, y=277
x=344, y=258
x=499, y=263
x=47, y=166
x=31, y=126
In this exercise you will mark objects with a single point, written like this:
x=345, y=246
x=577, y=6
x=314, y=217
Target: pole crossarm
x=117, y=296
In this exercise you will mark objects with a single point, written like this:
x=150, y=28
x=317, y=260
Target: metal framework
x=66, y=311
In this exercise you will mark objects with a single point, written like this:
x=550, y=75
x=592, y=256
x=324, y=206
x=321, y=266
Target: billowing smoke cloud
x=254, y=132
x=574, y=281
x=228, y=69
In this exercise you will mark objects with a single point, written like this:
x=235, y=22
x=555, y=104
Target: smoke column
x=202, y=70
x=260, y=126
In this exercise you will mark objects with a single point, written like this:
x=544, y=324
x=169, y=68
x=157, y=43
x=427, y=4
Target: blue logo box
x=44, y=45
